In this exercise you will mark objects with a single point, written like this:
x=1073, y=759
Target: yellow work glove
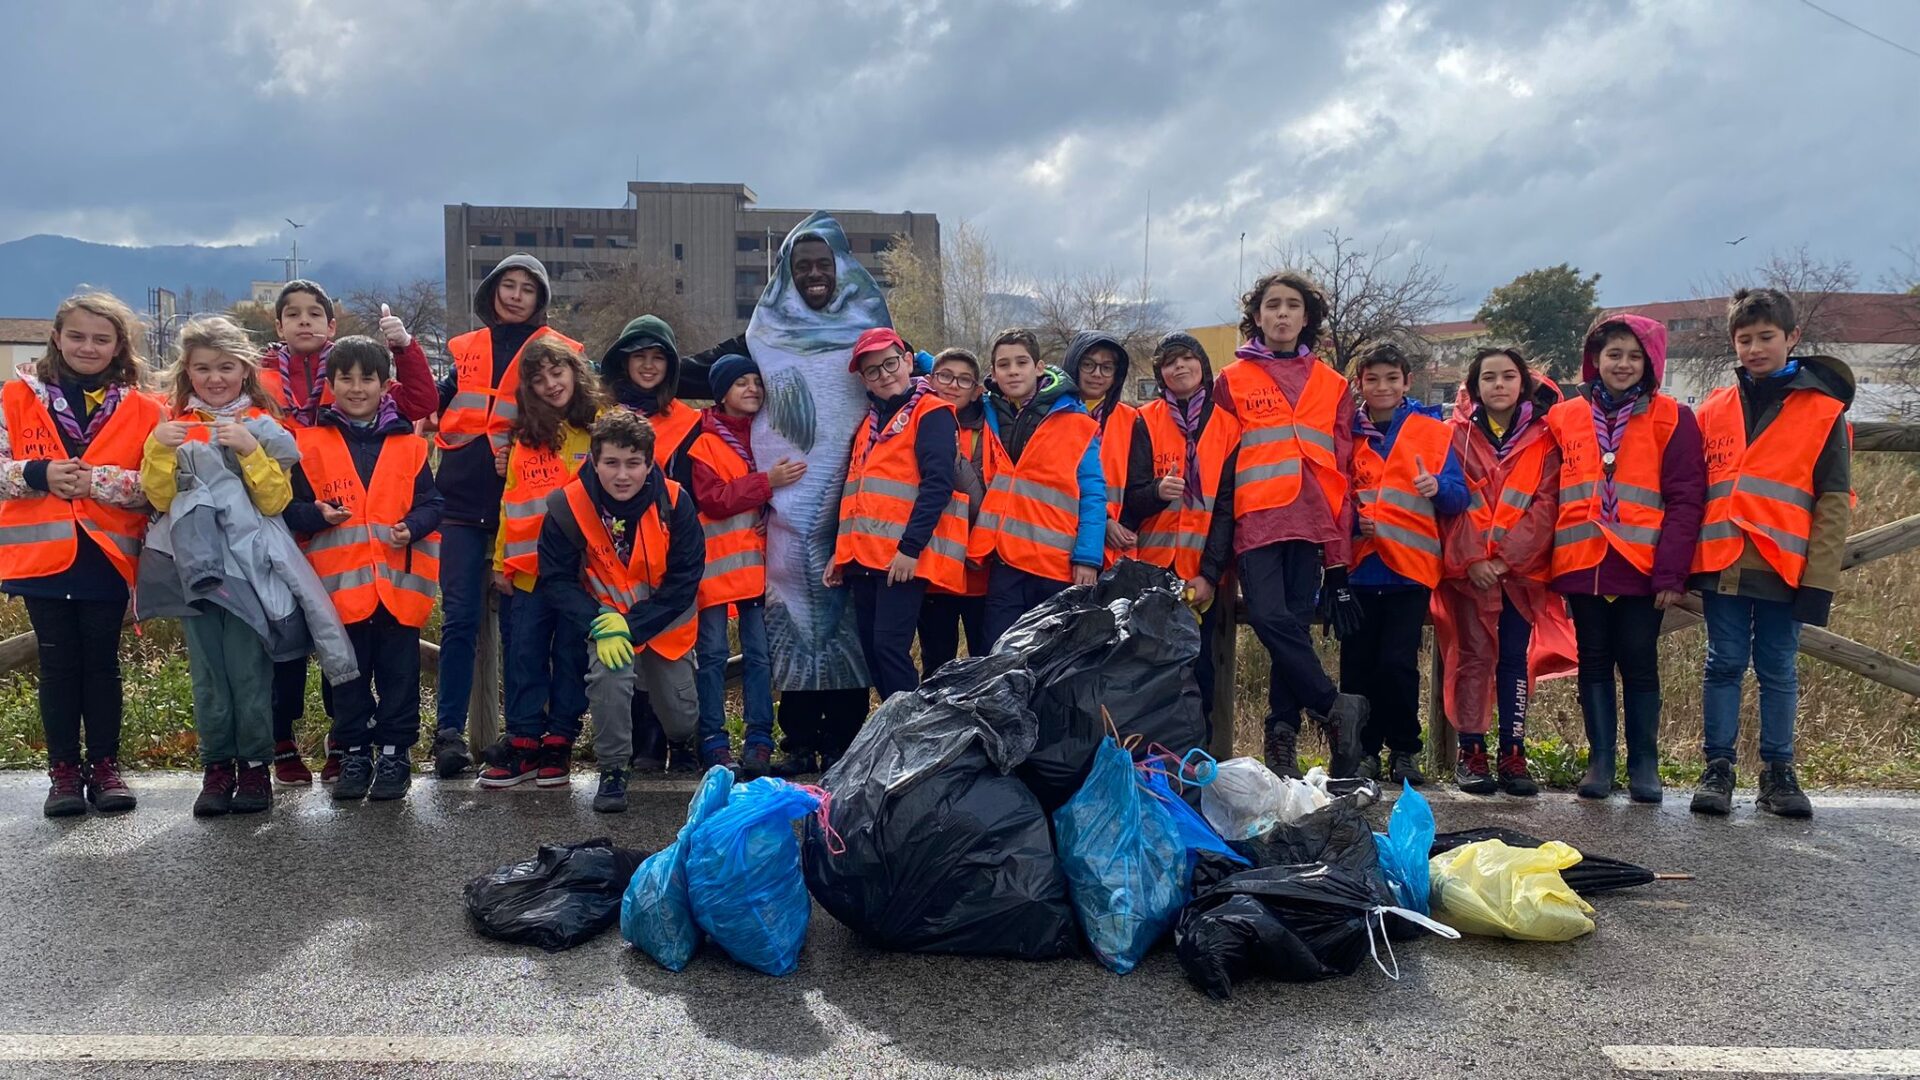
x=609, y=624
x=1194, y=603
x=612, y=640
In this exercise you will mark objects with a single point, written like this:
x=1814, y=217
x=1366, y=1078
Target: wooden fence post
x=1441, y=743
x=1224, y=643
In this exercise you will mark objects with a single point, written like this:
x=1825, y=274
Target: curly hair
x=127, y=367
x=539, y=423
x=1310, y=294
x=223, y=337
x=623, y=428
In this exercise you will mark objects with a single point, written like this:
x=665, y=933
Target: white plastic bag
x=1244, y=799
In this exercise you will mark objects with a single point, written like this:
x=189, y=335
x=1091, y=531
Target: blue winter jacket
x=1450, y=500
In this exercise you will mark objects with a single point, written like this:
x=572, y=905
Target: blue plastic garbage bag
x=1403, y=850
x=1195, y=834
x=743, y=875
x=654, y=915
x=1125, y=861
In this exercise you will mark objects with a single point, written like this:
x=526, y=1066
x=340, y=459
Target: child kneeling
x=621, y=550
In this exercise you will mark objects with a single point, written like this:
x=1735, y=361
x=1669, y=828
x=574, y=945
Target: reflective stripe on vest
x=973, y=447
x=1580, y=537
x=736, y=551
x=40, y=532
x=356, y=560
x=1116, y=449
x=479, y=406
x=883, y=480
x=1030, y=516
x=1279, y=439
x=1762, y=493
x=535, y=472
x=622, y=586
x=1406, y=530
x=1176, y=536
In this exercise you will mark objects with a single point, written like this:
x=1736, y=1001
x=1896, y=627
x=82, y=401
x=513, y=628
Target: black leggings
x=79, y=643
x=1621, y=633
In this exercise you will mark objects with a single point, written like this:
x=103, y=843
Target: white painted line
x=203, y=1048
x=1765, y=1060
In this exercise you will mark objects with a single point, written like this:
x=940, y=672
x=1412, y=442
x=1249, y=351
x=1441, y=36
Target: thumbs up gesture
x=1423, y=481
x=393, y=329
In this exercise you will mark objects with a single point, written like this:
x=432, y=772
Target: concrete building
x=713, y=239
x=22, y=341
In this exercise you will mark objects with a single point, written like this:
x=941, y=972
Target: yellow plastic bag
x=1491, y=889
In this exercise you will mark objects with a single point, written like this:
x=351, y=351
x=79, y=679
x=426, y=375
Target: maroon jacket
x=1307, y=517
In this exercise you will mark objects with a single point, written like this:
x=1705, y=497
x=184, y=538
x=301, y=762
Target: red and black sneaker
x=330, y=769
x=253, y=791
x=515, y=763
x=106, y=789
x=66, y=798
x=1474, y=774
x=287, y=766
x=1514, y=778
x=556, y=762
x=216, y=791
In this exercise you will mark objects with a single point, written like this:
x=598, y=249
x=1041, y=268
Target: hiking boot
x=392, y=776
x=1342, y=726
x=1641, y=718
x=1283, y=750
x=720, y=755
x=216, y=791
x=756, y=761
x=67, y=797
x=1403, y=768
x=1514, y=778
x=555, y=768
x=611, y=798
x=1599, y=706
x=515, y=764
x=287, y=766
x=685, y=760
x=1370, y=768
x=1780, y=792
x=1473, y=773
x=253, y=791
x=450, y=757
x=330, y=768
x=356, y=775
x=1714, y=793
x=107, y=790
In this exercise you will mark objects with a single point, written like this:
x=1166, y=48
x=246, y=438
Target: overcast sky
x=1632, y=139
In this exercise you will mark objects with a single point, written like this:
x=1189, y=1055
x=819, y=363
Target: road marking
x=201, y=1048
x=1765, y=1060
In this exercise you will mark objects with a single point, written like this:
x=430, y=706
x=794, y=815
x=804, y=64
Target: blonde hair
x=128, y=366
x=224, y=337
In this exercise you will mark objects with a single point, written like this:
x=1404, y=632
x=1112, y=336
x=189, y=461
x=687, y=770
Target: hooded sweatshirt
x=1308, y=517
x=661, y=401
x=563, y=555
x=1452, y=498
x=467, y=480
x=364, y=442
x=1013, y=425
x=1139, y=502
x=1751, y=575
x=1683, y=476
x=1218, y=552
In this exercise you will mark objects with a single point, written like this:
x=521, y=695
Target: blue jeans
x=756, y=675
x=466, y=571
x=547, y=673
x=1763, y=632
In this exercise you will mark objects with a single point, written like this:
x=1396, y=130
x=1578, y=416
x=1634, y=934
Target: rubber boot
x=1642, y=718
x=1600, y=709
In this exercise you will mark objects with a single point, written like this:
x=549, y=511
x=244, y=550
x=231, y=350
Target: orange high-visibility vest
x=276, y=387
x=1116, y=447
x=355, y=560
x=670, y=429
x=973, y=447
x=1494, y=520
x=1176, y=536
x=621, y=586
x=1030, y=516
x=883, y=479
x=479, y=406
x=736, y=548
x=537, y=472
x=40, y=532
x=1406, y=530
x=1278, y=438
x=1762, y=492
x=1580, y=538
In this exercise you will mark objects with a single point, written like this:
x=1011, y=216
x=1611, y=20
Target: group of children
x=622, y=533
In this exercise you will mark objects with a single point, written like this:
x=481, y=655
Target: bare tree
x=1373, y=293
x=1097, y=300
x=915, y=298
x=420, y=303
x=617, y=294
x=964, y=304
x=1904, y=365
x=1699, y=346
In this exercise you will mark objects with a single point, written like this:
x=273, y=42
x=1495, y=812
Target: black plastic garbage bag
x=559, y=898
x=1592, y=874
x=1337, y=833
x=1293, y=923
x=934, y=848
x=1128, y=643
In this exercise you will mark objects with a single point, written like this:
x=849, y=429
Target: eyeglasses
x=1098, y=369
x=955, y=378
x=882, y=369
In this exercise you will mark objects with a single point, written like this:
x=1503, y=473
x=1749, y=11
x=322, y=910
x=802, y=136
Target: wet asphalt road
x=322, y=921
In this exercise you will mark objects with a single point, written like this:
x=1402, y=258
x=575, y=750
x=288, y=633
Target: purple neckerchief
x=386, y=413
x=62, y=411
x=308, y=414
x=1522, y=416
x=725, y=434
x=1186, y=416
x=876, y=436
x=1256, y=349
x=1610, y=416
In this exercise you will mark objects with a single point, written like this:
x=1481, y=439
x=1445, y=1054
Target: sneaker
x=67, y=797
x=216, y=791
x=555, y=768
x=518, y=763
x=106, y=789
x=450, y=757
x=355, y=777
x=685, y=760
x=1283, y=750
x=1514, y=778
x=1370, y=768
x=330, y=768
x=287, y=766
x=1342, y=725
x=756, y=761
x=611, y=798
x=392, y=776
x=722, y=755
x=1404, y=767
x=1473, y=774
x=253, y=791
x=1780, y=792
x=1714, y=794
